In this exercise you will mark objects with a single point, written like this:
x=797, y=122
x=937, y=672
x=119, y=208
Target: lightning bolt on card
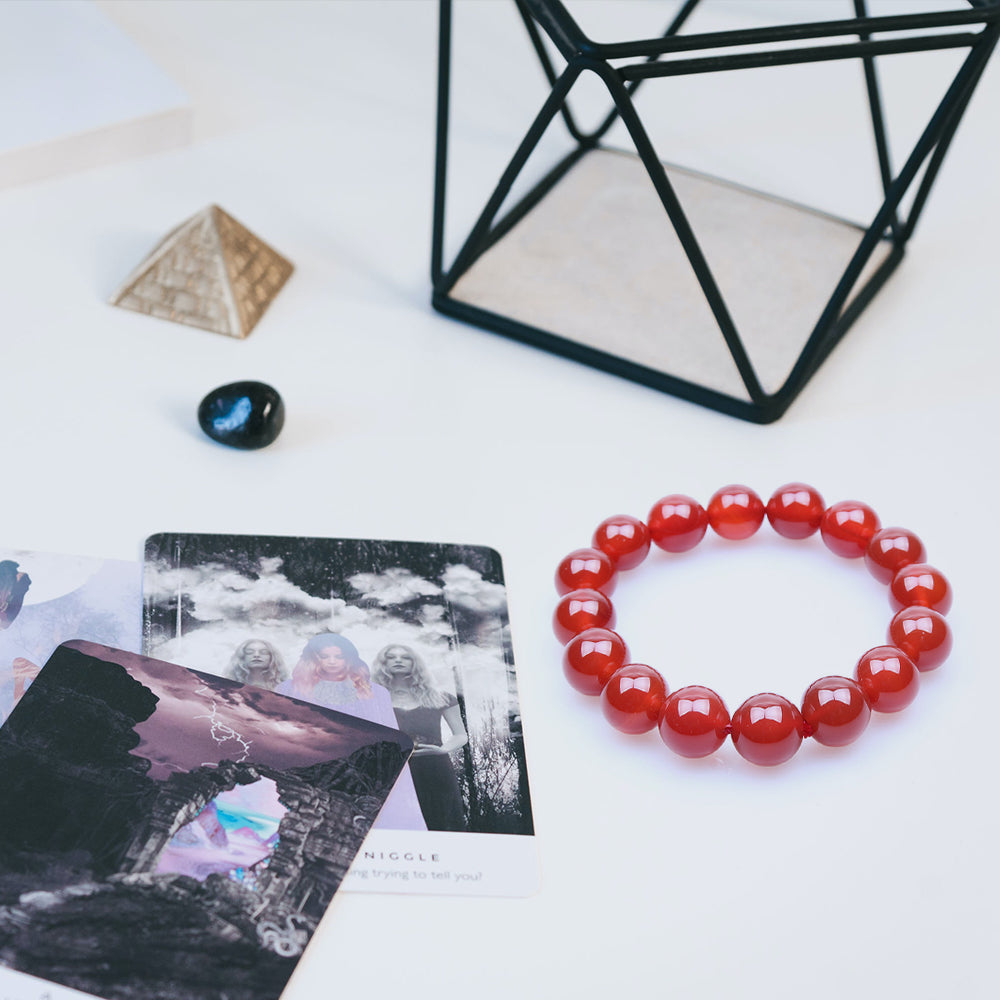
x=169, y=833
x=409, y=634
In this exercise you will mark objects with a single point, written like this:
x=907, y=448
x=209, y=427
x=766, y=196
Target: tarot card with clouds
x=172, y=834
x=410, y=634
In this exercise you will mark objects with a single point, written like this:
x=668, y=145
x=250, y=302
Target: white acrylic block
x=76, y=92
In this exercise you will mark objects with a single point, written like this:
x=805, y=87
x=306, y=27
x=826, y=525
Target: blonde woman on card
x=420, y=709
x=257, y=662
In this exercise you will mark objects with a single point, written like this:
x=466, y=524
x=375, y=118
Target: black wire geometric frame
x=675, y=54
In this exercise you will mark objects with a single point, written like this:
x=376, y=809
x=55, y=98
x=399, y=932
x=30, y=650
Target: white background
x=865, y=871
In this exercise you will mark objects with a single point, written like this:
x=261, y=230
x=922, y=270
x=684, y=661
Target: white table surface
x=862, y=872
x=77, y=92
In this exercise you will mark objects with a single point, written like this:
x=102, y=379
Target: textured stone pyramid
x=210, y=272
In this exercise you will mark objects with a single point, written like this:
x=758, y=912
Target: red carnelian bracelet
x=767, y=728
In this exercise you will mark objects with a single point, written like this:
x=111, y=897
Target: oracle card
x=169, y=833
x=46, y=599
x=410, y=634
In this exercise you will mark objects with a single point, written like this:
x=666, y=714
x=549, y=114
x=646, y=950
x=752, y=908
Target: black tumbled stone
x=242, y=414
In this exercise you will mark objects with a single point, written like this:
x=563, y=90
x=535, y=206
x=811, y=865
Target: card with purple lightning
x=169, y=833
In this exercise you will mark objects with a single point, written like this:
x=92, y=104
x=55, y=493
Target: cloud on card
x=217, y=592
x=467, y=588
x=394, y=586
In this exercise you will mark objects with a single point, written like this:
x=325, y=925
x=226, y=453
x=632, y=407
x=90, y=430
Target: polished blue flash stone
x=242, y=414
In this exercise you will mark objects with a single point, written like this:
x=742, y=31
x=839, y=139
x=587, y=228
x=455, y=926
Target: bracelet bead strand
x=767, y=729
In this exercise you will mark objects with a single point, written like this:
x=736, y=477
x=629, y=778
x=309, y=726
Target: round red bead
x=591, y=657
x=694, y=721
x=633, y=698
x=888, y=678
x=795, y=510
x=847, y=528
x=586, y=569
x=835, y=710
x=923, y=634
x=624, y=538
x=920, y=584
x=677, y=523
x=735, y=512
x=890, y=550
x=767, y=729
x=579, y=610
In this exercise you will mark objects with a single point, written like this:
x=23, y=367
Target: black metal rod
x=536, y=41
x=658, y=175
x=792, y=57
x=675, y=26
x=604, y=361
x=934, y=164
x=559, y=26
x=591, y=138
x=507, y=222
x=930, y=136
x=441, y=140
x=878, y=120
x=549, y=70
x=812, y=357
x=476, y=241
x=765, y=411
x=793, y=33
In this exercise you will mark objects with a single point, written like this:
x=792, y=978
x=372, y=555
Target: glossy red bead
x=923, y=634
x=735, y=512
x=591, y=657
x=835, y=711
x=795, y=510
x=847, y=528
x=579, y=610
x=888, y=678
x=633, y=698
x=586, y=569
x=624, y=538
x=890, y=550
x=677, y=523
x=767, y=729
x=920, y=584
x=694, y=721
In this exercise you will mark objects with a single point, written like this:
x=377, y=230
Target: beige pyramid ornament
x=210, y=272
